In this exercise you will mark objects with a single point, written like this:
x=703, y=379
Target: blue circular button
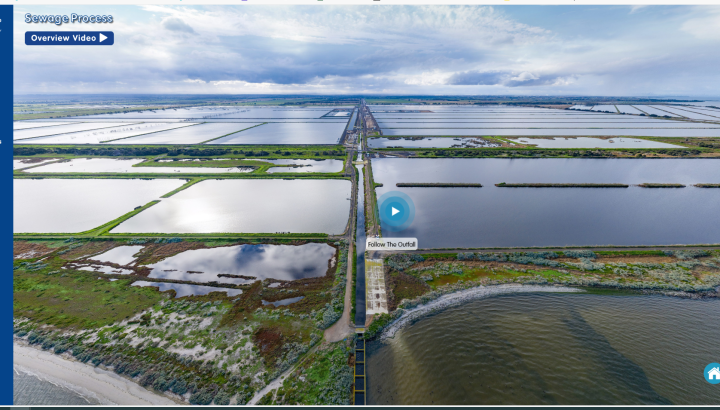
x=712, y=373
x=397, y=210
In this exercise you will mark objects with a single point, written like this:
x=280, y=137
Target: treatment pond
x=515, y=217
x=249, y=206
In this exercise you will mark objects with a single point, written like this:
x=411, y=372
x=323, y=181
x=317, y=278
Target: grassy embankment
x=673, y=270
x=249, y=156
x=415, y=279
x=436, y=185
x=541, y=185
x=688, y=147
x=58, y=111
x=654, y=185
x=249, y=152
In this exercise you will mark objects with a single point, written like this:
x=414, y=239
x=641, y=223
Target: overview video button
x=69, y=38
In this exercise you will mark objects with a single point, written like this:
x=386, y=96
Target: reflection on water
x=121, y=255
x=182, y=289
x=77, y=205
x=287, y=133
x=306, y=165
x=283, y=302
x=552, y=349
x=493, y=216
x=111, y=165
x=639, y=132
x=584, y=142
x=439, y=142
x=246, y=263
x=249, y=206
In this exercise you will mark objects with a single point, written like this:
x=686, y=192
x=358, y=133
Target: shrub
x=587, y=254
x=403, y=261
x=203, y=397
x=222, y=398
x=491, y=257
x=687, y=254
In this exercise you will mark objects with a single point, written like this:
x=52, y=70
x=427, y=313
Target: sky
x=407, y=50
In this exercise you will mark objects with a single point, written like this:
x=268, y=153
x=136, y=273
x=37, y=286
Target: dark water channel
x=360, y=248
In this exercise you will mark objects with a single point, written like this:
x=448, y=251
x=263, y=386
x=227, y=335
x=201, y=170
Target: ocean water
x=551, y=348
x=31, y=390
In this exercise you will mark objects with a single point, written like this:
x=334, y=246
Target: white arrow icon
x=394, y=211
x=102, y=38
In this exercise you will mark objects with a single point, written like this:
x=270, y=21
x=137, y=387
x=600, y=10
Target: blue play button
x=396, y=210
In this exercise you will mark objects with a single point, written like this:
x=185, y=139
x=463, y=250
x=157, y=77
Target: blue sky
x=520, y=50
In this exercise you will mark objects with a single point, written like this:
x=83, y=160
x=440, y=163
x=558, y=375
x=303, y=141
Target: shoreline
x=409, y=316
x=104, y=386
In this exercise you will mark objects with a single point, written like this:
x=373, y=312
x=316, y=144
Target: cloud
x=177, y=25
x=635, y=9
x=508, y=79
x=388, y=49
x=478, y=78
x=705, y=27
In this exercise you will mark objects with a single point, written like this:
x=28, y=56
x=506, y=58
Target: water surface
x=637, y=132
x=283, y=302
x=249, y=206
x=104, y=135
x=31, y=390
x=61, y=129
x=115, y=166
x=584, y=142
x=507, y=217
x=287, y=133
x=360, y=237
x=190, y=135
x=283, y=262
x=121, y=255
x=76, y=205
x=557, y=349
x=183, y=289
x=306, y=165
x=438, y=142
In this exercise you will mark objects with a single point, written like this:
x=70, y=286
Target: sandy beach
x=105, y=386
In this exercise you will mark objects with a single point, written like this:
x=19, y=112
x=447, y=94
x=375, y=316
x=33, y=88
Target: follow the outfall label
x=69, y=38
x=391, y=244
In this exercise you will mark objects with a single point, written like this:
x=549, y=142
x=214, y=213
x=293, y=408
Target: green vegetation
x=436, y=185
x=188, y=184
x=378, y=324
x=204, y=349
x=678, y=270
x=534, y=152
x=323, y=378
x=183, y=151
x=58, y=111
x=66, y=300
x=540, y=185
x=354, y=283
x=650, y=185
x=707, y=185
